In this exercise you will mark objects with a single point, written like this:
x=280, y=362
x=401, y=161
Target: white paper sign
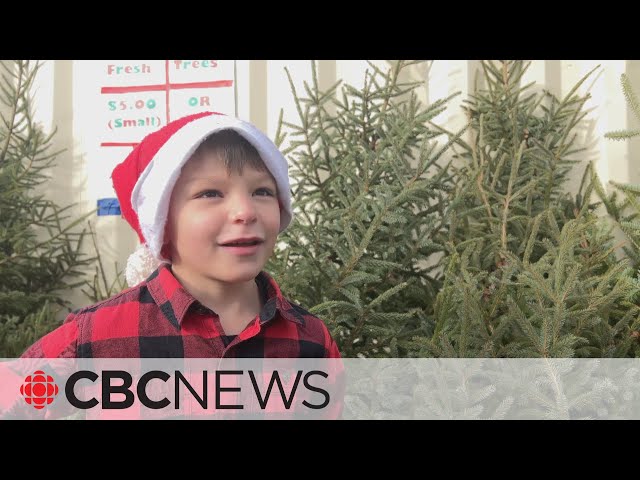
x=125, y=100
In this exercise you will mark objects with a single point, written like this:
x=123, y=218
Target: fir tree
x=40, y=246
x=369, y=194
x=99, y=288
x=530, y=270
x=633, y=102
x=623, y=203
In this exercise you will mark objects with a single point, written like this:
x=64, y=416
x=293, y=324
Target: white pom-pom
x=140, y=264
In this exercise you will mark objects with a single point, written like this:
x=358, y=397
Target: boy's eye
x=209, y=194
x=265, y=192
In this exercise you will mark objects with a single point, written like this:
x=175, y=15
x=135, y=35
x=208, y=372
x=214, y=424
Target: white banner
x=320, y=388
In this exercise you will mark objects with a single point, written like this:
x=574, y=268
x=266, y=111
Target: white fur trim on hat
x=152, y=192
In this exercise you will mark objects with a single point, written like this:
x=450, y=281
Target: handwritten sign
x=137, y=98
x=119, y=102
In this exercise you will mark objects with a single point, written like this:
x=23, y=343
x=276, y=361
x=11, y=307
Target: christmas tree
x=405, y=254
x=530, y=270
x=369, y=188
x=40, y=246
x=623, y=203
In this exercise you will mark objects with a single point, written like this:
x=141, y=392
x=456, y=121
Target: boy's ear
x=165, y=251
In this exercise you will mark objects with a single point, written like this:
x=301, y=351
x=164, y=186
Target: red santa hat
x=144, y=181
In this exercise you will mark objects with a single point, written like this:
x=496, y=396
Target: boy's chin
x=240, y=275
x=238, y=279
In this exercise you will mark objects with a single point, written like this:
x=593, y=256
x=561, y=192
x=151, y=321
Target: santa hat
x=144, y=181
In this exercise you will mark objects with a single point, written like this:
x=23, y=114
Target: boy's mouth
x=242, y=242
x=243, y=246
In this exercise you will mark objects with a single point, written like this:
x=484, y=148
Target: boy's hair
x=233, y=149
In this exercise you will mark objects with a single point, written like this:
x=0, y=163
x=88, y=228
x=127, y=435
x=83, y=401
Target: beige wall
x=263, y=89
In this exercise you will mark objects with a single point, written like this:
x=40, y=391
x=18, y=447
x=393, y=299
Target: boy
x=207, y=195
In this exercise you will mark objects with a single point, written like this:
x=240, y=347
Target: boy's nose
x=243, y=210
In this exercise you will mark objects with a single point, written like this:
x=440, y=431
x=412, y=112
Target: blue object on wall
x=108, y=206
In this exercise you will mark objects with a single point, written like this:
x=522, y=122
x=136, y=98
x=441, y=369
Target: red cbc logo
x=39, y=389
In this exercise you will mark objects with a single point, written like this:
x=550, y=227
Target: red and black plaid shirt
x=160, y=319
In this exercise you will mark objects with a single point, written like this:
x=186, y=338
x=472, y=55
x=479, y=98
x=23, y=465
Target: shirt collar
x=169, y=294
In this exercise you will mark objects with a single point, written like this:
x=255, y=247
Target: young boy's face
x=210, y=207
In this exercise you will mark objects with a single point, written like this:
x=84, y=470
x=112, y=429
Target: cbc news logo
x=39, y=389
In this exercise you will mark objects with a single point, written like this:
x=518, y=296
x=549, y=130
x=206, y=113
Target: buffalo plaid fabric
x=160, y=319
